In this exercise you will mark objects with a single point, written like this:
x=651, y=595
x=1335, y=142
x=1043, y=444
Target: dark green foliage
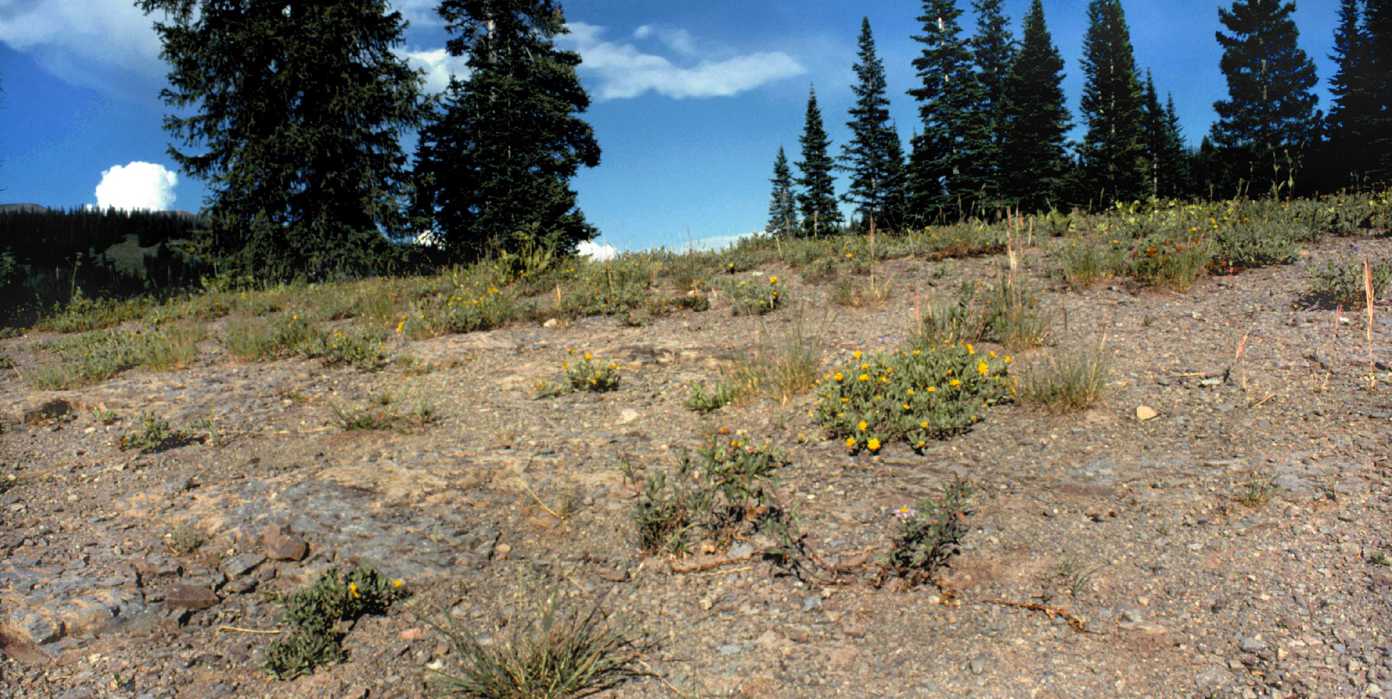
x=817, y=201
x=994, y=51
x=930, y=534
x=1378, y=20
x=1176, y=174
x=494, y=166
x=783, y=221
x=1035, y=120
x=290, y=113
x=1164, y=150
x=1350, y=122
x=947, y=168
x=154, y=435
x=873, y=157
x=319, y=617
x=1113, y=149
x=1268, y=120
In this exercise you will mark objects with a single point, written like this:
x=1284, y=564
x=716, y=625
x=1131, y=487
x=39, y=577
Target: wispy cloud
x=622, y=71
x=90, y=43
x=678, y=40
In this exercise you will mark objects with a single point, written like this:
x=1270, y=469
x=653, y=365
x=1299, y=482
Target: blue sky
x=692, y=100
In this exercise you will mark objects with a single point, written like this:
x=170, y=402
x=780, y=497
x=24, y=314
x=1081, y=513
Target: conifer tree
x=993, y=50
x=1035, y=119
x=1164, y=144
x=1179, y=182
x=873, y=156
x=494, y=168
x=783, y=220
x=817, y=200
x=1378, y=70
x=305, y=173
x=1349, y=121
x=947, y=166
x=1113, y=149
x=1268, y=119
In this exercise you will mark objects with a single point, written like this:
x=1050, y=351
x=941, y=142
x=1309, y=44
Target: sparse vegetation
x=185, y=539
x=1343, y=283
x=1255, y=490
x=723, y=490
x=708, y=400
x=380, y=415
x=929, y=533
x=563, y=652
x=316, y=617
x=1067, y=380
x=82, y=360
x=749, y=297
x=154, y=435
x=589, y=374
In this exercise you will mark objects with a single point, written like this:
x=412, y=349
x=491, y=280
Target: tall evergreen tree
x=993, y=50
x=1175, y=179
x=873, y=156
x=1349, y=121
x=305, y=173
x=783, y=220
x=1268, y=119
x=1035, y=119
x=494, y=168
x=1379, y=84
x=1113, y=150
x=817, y=201
x=947, y=168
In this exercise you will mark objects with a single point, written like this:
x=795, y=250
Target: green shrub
x=1174, y=263
x=565, y=652
x=703, y=400
x=587, y=374
x=263, y=339
x=1252, y=244
x=922, y=394
x=725, y=490
x=929, y=533
x=154, y=435
x=1087, y=261
x=1342, y=283
x=317, y=615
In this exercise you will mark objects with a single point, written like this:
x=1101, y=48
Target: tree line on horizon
x=992, y=132
x=308, y=178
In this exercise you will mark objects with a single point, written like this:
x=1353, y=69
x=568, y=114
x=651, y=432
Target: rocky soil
x=1235, y=544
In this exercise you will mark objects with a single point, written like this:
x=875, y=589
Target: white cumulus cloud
x=438, y=66
x=599, y=252
x=623, y=71
x=137, y=185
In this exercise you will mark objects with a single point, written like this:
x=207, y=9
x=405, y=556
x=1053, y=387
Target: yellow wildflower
x=954, y=383
x=850, y=442
x=923, y=424
x=970, y=349
x=588, y=356
x=353, y=590
x=932, y=389
x=983, y=368
x=398, y=583
x=873, y=444
x=838, y=377
x=863, y=378
x=401, y=327
x=773, y=281
x=857, y=355
x=910, y=391
x=862, y=426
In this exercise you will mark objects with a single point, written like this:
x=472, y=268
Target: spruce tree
x=1113, y=149
x=305, y=173
x=1268, y=119
x=494, y=168
x=873, y=156
x=993, y=50
x=1378, y=84
x=1164, y=144
x=1175, y=178
x=948, y=169
x=1034, y=120
x=817, y=201
x=783, y=220
x=1349, y=121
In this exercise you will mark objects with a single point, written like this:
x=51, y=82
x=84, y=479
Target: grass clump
x=930, y=533
x=320, y=615
x=564, y=652
x=915, y=396
x=1255, y=490
x=83, y=314
x=1083, y=263
x=185, y=539
x=1342, y=283
x=379, y=416
x=723, y=491
x=1007, y=312
x=708, y=400
x=1067, y=381
x=588, y=374
x=263, y=339
x=359, y=349
x=90, y=358
x=154, y=435
x=781, y=367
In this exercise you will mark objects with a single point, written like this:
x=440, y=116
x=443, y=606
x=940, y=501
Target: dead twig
x=237, y=629
x=1074, y=621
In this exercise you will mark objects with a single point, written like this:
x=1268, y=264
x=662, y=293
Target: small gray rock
x=1251, y=645
x=190, y=597
x=241, y=564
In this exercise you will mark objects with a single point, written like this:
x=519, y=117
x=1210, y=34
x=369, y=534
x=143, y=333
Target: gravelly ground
x=1139, y=529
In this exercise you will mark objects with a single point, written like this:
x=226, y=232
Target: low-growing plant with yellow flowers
x=915, y=395
x=586, y=373
x=317, y=615
x=755, y=297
